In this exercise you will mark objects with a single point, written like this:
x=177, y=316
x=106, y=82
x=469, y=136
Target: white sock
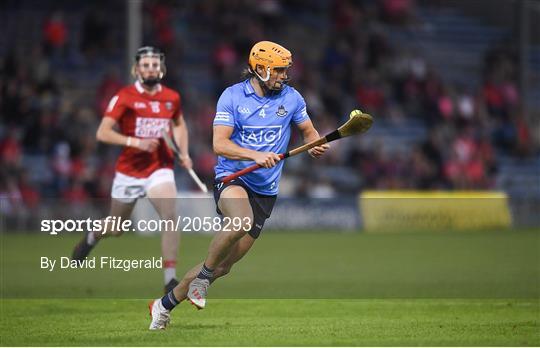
x=169, y=273
x=90, y=238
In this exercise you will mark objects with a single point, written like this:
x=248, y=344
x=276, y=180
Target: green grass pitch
x=476, y=288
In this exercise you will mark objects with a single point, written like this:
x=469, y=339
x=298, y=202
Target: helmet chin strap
x=267, y=75
x=263, y=85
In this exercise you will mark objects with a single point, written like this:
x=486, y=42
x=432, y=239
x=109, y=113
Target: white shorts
x=127, y=189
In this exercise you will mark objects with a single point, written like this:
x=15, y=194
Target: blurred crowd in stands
x=55, y=86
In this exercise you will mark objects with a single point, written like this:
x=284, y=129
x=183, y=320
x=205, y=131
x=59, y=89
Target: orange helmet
x=270, y=55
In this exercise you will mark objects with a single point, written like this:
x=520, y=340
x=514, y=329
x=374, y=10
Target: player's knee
x=167, y=216
x=235, y=235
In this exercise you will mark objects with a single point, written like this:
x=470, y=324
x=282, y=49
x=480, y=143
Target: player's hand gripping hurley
x=358, y=123
x=174, y=148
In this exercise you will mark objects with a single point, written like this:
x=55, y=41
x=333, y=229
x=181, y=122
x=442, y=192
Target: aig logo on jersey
x=260, y=136
x=281, y=112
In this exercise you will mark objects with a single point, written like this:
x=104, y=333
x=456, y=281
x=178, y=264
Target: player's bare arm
x=223, y=146
x=107, y=134
x=309, y=133
x=181, y=136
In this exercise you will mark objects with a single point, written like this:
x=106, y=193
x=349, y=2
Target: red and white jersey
x=142, y=115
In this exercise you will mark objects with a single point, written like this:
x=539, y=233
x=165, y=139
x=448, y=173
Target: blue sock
x=206, y=273
x=169, y=301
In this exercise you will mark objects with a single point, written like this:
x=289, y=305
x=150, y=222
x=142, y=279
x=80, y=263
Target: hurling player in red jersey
x=134, y=119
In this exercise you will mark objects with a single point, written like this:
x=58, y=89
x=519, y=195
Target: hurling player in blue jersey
x=252, y=124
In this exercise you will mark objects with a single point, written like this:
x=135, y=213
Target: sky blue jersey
x=261, y=124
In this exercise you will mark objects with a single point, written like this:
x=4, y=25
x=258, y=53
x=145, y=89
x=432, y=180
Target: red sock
x=169, y=270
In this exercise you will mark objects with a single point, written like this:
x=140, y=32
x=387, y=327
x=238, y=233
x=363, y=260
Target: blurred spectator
x=62, y=166
x=524, y=146
x=465, y=106
x=12, y=208
x=161, y=21
x=110, y=84
x=432, y=150
x=75, y=193
x=29, y=193
x=494, y=98
x=10, y=149
x=95, y=33
x=55, y=33
x=397, y=11
x=423, y=171
x=370, y=93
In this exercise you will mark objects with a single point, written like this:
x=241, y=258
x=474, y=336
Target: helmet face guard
x=262, y=81
x=150, y=52
x=270, y=56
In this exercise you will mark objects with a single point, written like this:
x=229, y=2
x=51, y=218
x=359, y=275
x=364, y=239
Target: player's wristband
x=133, y=142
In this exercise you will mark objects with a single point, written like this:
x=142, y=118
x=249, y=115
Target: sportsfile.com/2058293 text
x=116, y=223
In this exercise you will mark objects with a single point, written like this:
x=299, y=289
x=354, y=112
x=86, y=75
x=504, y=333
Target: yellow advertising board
x=412, y=210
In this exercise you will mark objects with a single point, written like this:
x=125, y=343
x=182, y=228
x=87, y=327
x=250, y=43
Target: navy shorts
x=261, y=205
